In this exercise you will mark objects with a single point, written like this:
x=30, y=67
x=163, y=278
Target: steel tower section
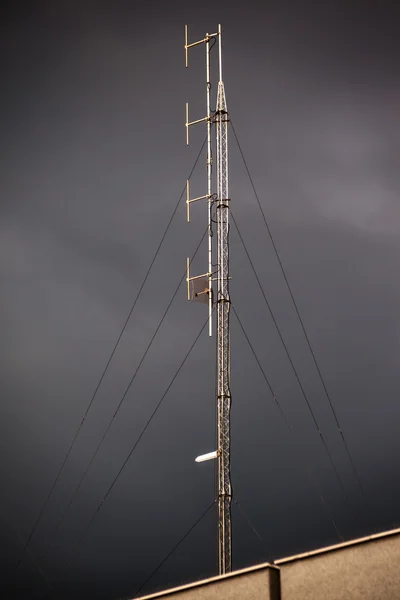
x=223, y=336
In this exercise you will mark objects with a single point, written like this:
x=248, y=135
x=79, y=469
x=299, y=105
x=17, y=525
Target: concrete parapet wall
x=363, y=569
x=367, y=569
x=260, y=582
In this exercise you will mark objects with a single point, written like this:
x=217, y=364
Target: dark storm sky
x=93, y=162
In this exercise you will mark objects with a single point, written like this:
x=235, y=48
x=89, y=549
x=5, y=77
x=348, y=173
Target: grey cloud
x=94, y=161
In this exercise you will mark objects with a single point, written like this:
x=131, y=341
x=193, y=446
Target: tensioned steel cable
x=247, y=518
x=288, y=426
x=295, y=370
x=358, y=479
x=10, y=526
x=132, y=450
x=174, y=548
x=41, y=512
x=63, y=516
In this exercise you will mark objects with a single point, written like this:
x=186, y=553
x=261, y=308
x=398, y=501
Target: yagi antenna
x=200, y=287
x=208, y=196
x=189, y=201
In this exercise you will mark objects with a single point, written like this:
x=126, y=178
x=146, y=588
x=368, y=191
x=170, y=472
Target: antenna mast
x=202, y=288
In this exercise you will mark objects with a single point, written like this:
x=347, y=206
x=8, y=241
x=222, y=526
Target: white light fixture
x=208, y=456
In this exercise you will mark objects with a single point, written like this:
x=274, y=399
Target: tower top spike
x=220, y=51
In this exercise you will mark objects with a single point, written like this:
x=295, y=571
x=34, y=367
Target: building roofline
x=355, y=542
x=188, y=586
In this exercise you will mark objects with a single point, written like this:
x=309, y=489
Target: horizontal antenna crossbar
x=206, y=39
